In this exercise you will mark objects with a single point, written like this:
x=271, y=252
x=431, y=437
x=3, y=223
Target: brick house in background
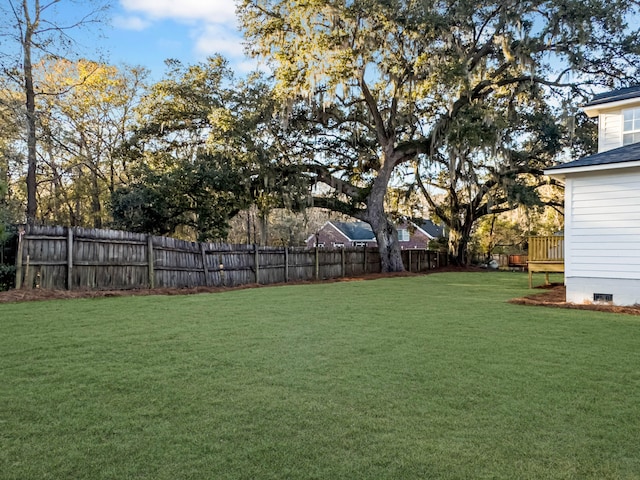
x=415, y=234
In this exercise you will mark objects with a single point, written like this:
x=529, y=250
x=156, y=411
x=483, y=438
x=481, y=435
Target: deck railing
x=546, y=255
x=546, y=249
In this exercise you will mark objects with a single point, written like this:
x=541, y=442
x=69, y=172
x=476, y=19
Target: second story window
x=631, y=127
x=403, y=234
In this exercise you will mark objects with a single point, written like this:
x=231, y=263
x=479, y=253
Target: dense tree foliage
x=32, y=31
x=10, y=157
x=81, y=127
x=491, y=161
x=207, y=146
x=489, y=169
x=455, y=92
x=7, y=237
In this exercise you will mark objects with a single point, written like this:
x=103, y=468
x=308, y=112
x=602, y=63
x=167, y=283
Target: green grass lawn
x=399, y=378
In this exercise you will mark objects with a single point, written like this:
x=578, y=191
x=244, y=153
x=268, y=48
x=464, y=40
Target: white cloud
x=212, y=24
x=218, y=39
x=130, y=23
x=209, y=11
x=252, y=65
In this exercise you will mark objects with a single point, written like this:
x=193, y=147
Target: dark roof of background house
x=615, y=95
x=431, y=228
x=361, y=231
x=357, y=231
x=628, y=153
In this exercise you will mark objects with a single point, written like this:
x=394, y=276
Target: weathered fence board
x=77, y=258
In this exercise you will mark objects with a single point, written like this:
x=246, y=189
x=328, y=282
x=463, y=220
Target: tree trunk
x=248, y=227
x=385, y=232
x=30, y=95
x=96, y=206
x=388, y=246
x=59, y=191
x=264, y=228
x=459, y=244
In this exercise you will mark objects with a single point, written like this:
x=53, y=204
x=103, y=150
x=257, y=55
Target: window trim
x=634, y=132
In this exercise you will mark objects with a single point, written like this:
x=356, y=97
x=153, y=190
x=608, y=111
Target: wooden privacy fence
x=78, y=258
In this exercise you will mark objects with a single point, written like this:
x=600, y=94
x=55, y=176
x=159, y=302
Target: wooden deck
x=546, y=255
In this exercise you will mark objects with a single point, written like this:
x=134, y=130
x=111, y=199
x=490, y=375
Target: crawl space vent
x=603, y=297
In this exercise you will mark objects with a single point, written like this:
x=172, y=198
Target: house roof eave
x=622, y=157
x=593, y=111
x=339, y=231
x=613, y=99
x=437, y=230
x=418, y=227
x=560, y=174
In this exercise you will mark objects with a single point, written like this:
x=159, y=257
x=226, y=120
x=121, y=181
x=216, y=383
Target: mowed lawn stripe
x=418, y=377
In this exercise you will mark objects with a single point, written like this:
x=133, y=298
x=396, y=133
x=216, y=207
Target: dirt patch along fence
x=92, y=259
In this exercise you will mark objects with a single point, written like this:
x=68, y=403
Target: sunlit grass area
x=399, y=378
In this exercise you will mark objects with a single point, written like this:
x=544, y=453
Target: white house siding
x=609, y=130
x=603, y=236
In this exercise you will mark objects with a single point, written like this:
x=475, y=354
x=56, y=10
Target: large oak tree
x=390, y=84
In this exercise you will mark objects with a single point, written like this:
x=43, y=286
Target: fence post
x=203, y=251
x=317, y=265
x=69, y=258
x=364, y=261
x=21, y=233
x=286, y=264
x=150, y=260
x=343, y=267
x=256, y=261
x=409, y=261
x=28, y=284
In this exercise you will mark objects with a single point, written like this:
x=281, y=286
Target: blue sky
x=146, y=32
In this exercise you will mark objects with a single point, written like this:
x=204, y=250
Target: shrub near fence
x=78, y=258
x=8, y=247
